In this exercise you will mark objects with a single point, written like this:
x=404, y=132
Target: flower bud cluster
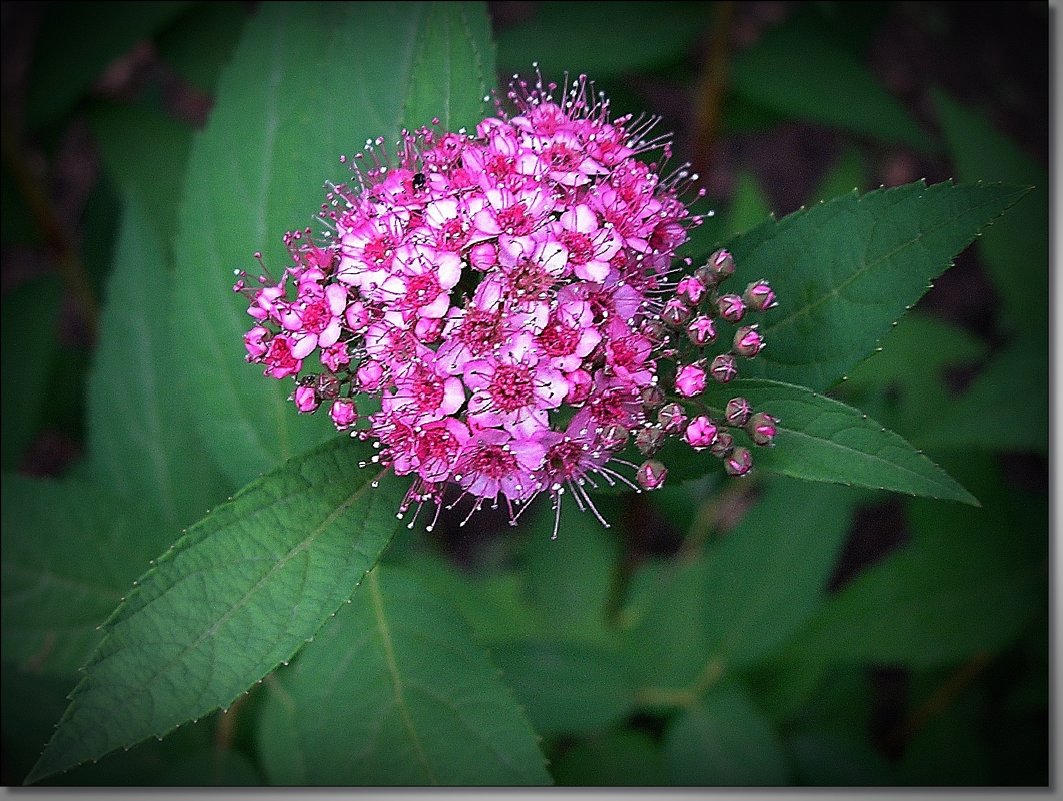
x=492, y=309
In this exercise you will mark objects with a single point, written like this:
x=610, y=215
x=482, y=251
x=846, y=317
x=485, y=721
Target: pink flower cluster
x=492, y=308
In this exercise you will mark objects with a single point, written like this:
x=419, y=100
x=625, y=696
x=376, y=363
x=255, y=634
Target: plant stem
x=68, y=261
x=711, y=87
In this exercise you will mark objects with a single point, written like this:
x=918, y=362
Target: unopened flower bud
x=579, y=387
x=649, y=440
x=651, y=475
x=428, y=329
x=701, y=432
x=613, y=437
x=651, y=396
x=306, y=399
x=762, y=428
x=738, y=462
x=343, y=413
x=690, y=380
x=724, y=368
x=731, y=308
x=702, y=331
x=722, y=445
x=328, y=386
x=653, y=329
x=483, y=256
x=737, y=411
x=357, y=316
x=721, y=265
x=759, y=296
x=369, y=375
x=748, y=342
x=672, y=418
x=690, y=289
x=675, y=312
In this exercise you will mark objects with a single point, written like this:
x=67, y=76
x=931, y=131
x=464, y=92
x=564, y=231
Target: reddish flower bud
x=369, y=375
x=721, y=264
x=343, y=413
x=762, y=428
x=722, y=445
x=731, y=308
x=738, y=462
x=306, y=399
x=690, y=380
x=737, y=411
x=724, y=368
x=701, y=433
x=701, y=331
x=759, y=296
x=580, y=384
x=675, y=312
x=328, y=386
x=649, y=440
x=690, y=289
x=651, y=396
x=748, y=342
x=613, y=437
x=672, y=418
x=651, y=475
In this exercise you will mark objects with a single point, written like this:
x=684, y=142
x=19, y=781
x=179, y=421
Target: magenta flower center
x=512, y=387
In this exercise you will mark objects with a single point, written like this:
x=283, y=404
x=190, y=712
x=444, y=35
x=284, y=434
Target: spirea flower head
x=503, y=312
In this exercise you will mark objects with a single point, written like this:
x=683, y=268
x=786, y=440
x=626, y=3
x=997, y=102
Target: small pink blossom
x=690, y=380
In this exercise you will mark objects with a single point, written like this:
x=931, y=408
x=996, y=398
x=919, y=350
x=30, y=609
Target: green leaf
x=142, y=441
x=600, y=39
x=76, y=42
x=307, y=83
x=1015, y=250
x=821, y=439
x=395, y=692
x=239, y=593
x=971, y=581
x=30, y=348
x=798, y=71
x=69, y=553
x=750, y=593
x=724, y=741
x=905, y=384
x=845, y=270
x=825, y=759
x=209, y=767
x=143, y=150
x=201, y=42
x=1004, y=409
x=614, y=759
x=749, y=207
x=568, y=686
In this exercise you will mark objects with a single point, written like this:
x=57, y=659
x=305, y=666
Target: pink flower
x=492, y=308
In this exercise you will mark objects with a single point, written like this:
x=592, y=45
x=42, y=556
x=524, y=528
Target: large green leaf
x=1015, y=251
x=971, y=581
x=724, y=740
x=307, y=83
x=821, y=439
x=846, y=270
x=614, y=759
x=29, y=347
x=798, y=71
x=144, y=150
x=200, y=42
x=395, y=692
x=242, y=591
x=600, y=39
x=749, y=594
x=69, y=553
x=142, y=441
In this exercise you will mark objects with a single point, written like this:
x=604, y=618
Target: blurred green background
x=811, y=634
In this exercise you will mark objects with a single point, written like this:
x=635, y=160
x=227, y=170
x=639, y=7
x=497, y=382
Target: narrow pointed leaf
x=307, y=83
x=845, y=270
x=239, y=593
x=394, y=691
x=69, y=553
x=142, y=441
x=821, y=439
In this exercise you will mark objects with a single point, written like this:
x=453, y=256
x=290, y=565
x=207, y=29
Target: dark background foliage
x=739, y=84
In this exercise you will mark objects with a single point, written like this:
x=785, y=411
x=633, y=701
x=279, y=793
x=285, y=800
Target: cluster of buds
x=492, y=309
x=689, y=323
